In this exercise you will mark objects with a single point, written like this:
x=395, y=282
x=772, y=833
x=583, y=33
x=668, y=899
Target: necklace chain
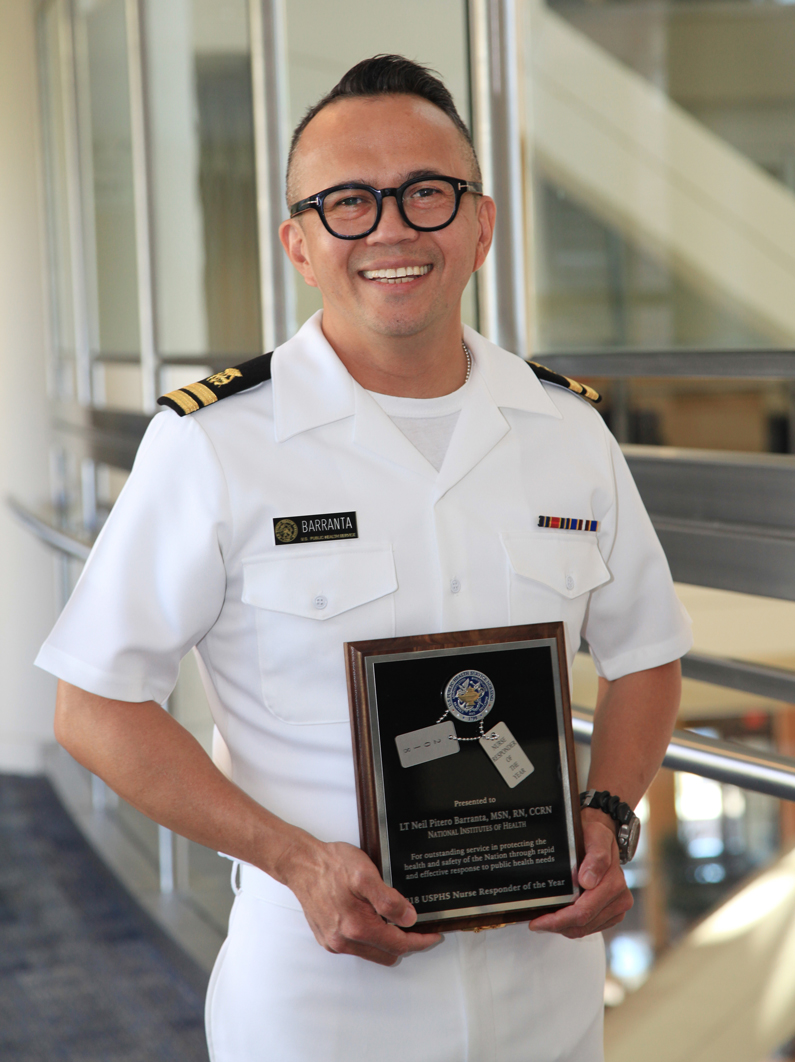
x=469, y=361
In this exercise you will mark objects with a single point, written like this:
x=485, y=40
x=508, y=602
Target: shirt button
x=569, y=582
x=455, y=586
x=320, y=601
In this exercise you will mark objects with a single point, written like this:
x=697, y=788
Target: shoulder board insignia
x=222, y=384
x=543, y=373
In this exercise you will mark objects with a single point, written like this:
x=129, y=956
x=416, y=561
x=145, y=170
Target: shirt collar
x=312, y=387
x=510, y=381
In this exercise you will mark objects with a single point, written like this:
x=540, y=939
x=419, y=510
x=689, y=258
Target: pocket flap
x=571, y=566
x=320, y=584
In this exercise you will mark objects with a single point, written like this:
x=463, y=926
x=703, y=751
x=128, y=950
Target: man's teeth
x=396, y=276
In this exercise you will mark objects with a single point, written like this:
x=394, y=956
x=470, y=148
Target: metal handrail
x=678, y=361
x=64, y=541
x=723, y=761
x=758, y=679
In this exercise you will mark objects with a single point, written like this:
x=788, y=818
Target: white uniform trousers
x=504, y=995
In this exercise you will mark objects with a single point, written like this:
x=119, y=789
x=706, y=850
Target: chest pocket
x=569, y=566
x=551, y=578
x=306, y=606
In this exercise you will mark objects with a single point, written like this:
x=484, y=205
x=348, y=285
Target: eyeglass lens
x=427, y=204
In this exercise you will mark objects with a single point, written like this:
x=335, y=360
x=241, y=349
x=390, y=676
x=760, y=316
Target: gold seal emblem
x=286, y=530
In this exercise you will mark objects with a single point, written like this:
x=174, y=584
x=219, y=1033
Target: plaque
x=465, y=772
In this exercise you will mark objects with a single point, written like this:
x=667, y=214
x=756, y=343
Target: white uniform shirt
x=188, y=558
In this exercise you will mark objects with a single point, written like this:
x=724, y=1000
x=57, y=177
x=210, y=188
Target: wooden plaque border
x=356, y=654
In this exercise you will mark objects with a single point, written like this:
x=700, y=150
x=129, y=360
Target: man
x=447, y=450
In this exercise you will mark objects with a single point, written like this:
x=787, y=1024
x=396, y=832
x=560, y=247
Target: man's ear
x=293, y=239
x=487, y=213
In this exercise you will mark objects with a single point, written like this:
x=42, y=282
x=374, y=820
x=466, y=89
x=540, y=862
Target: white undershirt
x=428, y=423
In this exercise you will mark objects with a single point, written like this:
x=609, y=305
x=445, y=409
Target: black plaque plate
x=468, y=849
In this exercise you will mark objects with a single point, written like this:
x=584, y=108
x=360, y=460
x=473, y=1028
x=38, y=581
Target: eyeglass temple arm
x=304, y=204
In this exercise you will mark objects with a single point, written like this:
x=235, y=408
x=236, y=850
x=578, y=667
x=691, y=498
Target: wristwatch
x=628, y=821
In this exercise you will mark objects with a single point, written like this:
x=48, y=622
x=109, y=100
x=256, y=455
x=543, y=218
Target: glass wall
x=203, y=178
x=59, y=152
x=663, y=147
x=108, y=206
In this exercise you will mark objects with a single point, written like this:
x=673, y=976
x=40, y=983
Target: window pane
x=106, y=169
x=203, y=181
x=663, y=140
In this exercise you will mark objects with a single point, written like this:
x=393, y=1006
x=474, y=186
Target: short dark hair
x=388, y=75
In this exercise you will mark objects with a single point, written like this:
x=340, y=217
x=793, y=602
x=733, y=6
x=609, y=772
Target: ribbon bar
x=568, y=523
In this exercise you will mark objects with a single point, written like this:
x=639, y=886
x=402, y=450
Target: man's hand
x=348, y=906
x=605, y=899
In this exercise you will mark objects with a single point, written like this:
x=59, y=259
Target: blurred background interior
x=642, y=154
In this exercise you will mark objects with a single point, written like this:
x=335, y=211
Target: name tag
x=429, y=743
x=506, y=754
x=320, y=527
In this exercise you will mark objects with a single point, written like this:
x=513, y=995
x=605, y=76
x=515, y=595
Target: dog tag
x=430, y=743
x=506, y=754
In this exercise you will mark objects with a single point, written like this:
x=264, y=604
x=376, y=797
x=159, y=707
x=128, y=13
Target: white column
x=27, y=572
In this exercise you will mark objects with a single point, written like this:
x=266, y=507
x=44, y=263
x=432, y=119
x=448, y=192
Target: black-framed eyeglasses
x=353, y=211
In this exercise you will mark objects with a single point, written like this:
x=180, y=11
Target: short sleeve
x=154, y=583
x=635, y=620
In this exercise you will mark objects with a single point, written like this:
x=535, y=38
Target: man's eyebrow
x=412, y=175
x=416, y=175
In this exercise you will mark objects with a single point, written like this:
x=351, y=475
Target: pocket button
x=569, y=582
x=320, y=601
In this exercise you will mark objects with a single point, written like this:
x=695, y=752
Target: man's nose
x=391, y=228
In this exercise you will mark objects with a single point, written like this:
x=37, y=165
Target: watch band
x=628, y=822
x=611, y=805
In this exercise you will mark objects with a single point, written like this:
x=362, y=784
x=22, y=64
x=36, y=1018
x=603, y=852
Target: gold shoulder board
x=191, y=397
x=543, y=373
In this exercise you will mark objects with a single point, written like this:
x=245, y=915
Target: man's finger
x=366, y=936
x=591, y=920
x=416, y=942
x=399, y=942
x=597, y=927
x=614, y=910
x=389, y=903
x=390, y=938
x=578, y=914
x=583, y=918
x=587, y=908
x=421, y=941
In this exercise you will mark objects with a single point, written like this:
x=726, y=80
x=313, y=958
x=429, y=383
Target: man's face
x=381, y=142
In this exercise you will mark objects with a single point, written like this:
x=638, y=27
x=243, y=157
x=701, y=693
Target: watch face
x=628, y=837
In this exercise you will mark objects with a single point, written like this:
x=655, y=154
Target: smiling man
x=385, y=473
